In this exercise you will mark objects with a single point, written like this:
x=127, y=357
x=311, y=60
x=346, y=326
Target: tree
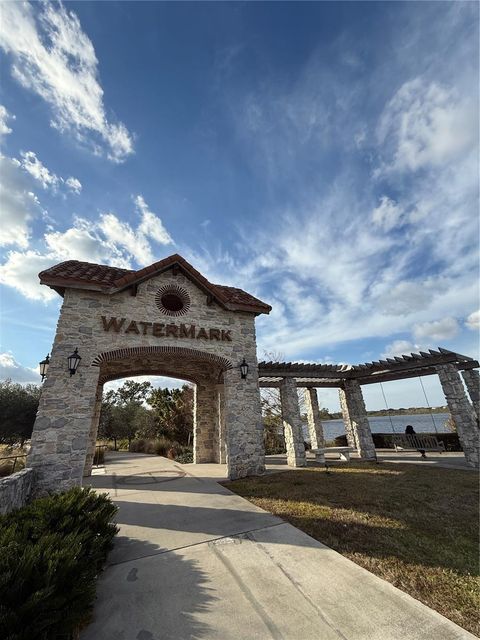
x=122, y=412
x=173, y=410
x=18, y=409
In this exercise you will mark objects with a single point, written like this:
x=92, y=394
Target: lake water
x=421, y=422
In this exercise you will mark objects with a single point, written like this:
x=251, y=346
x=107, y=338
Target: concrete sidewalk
x=193, y=560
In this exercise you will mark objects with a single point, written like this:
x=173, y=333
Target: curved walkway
x=193, y=560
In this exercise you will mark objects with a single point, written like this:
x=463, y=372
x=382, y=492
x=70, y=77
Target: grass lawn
x=415, y=527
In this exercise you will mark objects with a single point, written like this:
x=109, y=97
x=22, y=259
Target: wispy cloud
x=106, y=241
x=53, y=57
x=11, y=369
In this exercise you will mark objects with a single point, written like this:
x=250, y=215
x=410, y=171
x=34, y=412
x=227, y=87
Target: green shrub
x=185, y=458
x=161, y=447
x=52, y=552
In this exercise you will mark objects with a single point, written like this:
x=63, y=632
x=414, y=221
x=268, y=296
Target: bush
x=185, y=458
x=161, y=447
x=52, y=552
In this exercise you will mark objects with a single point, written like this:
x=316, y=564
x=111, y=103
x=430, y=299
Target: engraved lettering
x=132, y=328
x=157, y=329
x=113, y=323
x=226, y=335
x=171, y=330
x=202, y=334
x=187, y=333
x=214, y=333
x=145, y=326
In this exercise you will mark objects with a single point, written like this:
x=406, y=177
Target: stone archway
x=204, y=370
x=165, y=319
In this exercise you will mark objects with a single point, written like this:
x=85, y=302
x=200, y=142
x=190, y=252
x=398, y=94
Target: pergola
x=288, y=376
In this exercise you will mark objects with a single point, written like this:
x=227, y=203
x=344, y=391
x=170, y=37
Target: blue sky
x=323, y=156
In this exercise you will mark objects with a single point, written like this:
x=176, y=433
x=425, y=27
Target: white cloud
x=155, y=381
x=400, y=348
x=121, y=234
x=4, y=116
x=19, y=204
x=108, y=241
x=437, y=330
x=11, y=369
x=55, y=59
x=21, y=270
x=84, y=242
x=426, y=124
x=473, y=321
x=388, y=214
x=151, y=226
x=74, y=184
x=39, y=172
x=32, y=165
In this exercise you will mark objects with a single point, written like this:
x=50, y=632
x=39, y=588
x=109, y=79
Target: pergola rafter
x=334, y=375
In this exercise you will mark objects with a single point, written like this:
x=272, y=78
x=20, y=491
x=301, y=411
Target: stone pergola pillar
x=87, y=471
x=292, y=423
x=355, y=417
x=315, y=427
x=472, y=382
x=462, y=412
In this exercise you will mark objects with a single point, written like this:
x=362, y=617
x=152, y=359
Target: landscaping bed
x=413, y=526
x=52, y=552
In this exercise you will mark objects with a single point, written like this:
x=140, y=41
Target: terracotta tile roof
x=99, y=277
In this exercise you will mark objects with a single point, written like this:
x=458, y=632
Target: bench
x=417, y=442
x=343, y=453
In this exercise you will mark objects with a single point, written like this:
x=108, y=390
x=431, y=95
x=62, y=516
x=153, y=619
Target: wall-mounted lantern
x=73, y=362
x=44, y=366
x=244, y=369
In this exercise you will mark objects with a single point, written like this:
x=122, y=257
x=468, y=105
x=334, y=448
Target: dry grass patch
x=414, y=526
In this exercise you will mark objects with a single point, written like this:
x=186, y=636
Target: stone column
x=462, y=412
x=221, y=441
x=87, y=471
x=351, y=440
x=204, y=422
x=243, y=423
x=61, y=432
x=292, y=423
x=315, y=427
x=472, y=381
x=356, y=421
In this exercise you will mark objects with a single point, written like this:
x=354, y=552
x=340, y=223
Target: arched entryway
x=205, y=370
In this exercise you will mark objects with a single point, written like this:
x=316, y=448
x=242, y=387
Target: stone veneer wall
x=15, y=490
x=356, y=420
x=62, y=431
x=472, y=381
x=462, y=412
x=315, y=427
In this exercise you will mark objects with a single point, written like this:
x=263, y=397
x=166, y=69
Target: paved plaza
x=193, y=560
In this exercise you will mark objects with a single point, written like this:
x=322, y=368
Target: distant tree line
x=134, y=410
x=18, y=409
